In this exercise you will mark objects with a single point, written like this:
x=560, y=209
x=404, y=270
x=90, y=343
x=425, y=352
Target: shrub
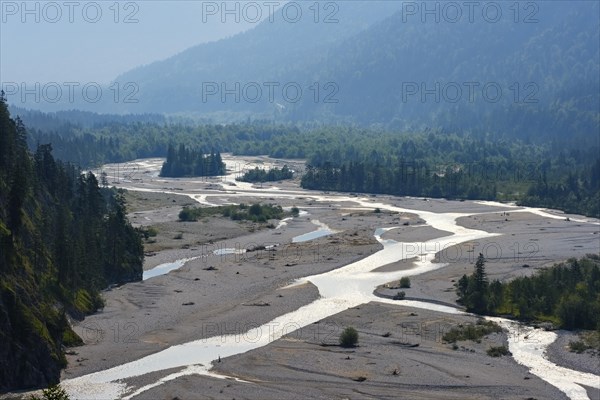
x=349, y=337
x=578, y=346
x=54, y=392
x=498, y=351
x=471, y=332
x=405, y=282
x=190, y=214
x=400, y=295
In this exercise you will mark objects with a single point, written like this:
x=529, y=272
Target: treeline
x=92, y=146
x=567, y=294
x=439, y=164
x=578, y=192
x=62, y=240
x=262, y=175
x=187, y=162
x=557, y=172
x=405, y=179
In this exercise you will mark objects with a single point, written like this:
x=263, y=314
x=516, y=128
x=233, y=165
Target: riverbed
x=345, y=285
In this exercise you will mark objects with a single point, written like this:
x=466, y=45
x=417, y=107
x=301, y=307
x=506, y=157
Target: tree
x=472, y=290
x=478, y=301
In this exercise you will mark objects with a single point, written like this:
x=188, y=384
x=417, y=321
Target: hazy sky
x=87, y=41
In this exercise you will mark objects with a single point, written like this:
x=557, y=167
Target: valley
x=164, y=337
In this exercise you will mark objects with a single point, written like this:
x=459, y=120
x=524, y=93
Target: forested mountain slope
x=532, y=72
x=62, y=240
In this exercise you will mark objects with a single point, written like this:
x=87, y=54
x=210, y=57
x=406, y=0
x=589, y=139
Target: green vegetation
x=262, y=175
x=472, y=290
x=498, y=351
x=405, y=282
x=589, y=340
x=185, y=162
x=578, y=346
x=62, y=240
x=349, y=337
x=471, y=332
x=149, y=232
x=255, y=213
x=54, y=392
x=567, y=294
x=399, y=296
x=561, y=172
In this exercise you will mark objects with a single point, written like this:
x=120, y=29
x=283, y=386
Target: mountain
x=523, y=76
x=517, y=69
x=529, y=73
x=274, y=51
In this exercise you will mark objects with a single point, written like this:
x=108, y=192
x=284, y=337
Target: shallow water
x=165, y=268
x=322, y=231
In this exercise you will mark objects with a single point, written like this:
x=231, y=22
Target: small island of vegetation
x=242, y=212
x=262, y=175
x=186, y=163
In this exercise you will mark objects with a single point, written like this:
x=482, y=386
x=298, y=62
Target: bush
x=498, y=351
x=295, y=211
x=578, y=346
x=405, y=282
x=400, y=295
x=190, y=214
x=349, y=337
x=54, y=392
x=471, y=332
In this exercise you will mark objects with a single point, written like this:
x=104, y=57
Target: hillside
x=531, y=74
x=62, y=240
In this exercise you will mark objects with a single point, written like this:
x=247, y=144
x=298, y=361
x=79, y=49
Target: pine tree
x=479, y=293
